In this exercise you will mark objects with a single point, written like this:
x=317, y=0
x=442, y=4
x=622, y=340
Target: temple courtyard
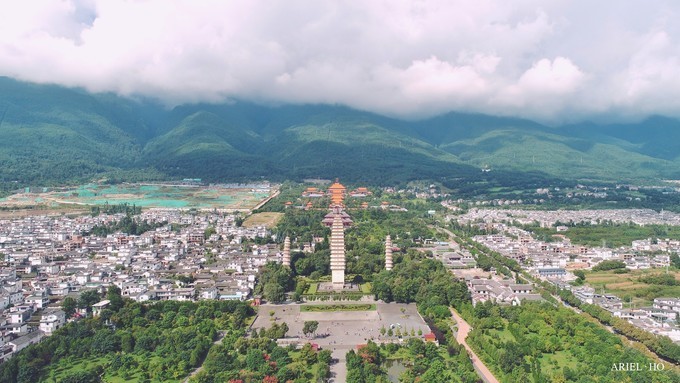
x=340, y=331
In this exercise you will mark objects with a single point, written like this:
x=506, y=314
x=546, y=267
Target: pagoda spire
x=338, y=252
x=388, y=253
x=286, y=252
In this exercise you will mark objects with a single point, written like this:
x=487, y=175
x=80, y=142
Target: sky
x=553, y=61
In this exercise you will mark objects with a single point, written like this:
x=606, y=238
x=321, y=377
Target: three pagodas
x=338, y=220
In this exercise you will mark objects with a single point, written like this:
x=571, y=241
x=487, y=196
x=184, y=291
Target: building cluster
x=660, y=318
x=656, y=245
x=337, y=193
x=453, y=256
x=500, y=291
x=553, y=261
x=455, y=204
x=189, y=256
x=548, y=218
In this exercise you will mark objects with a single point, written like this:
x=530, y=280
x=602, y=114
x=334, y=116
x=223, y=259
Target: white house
x=51, y=320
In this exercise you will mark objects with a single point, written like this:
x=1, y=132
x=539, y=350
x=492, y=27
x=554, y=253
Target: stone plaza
x=340, y=331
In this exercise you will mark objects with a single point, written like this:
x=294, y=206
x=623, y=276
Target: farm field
x=267, y=219
x=629, y=287
x=144, y=195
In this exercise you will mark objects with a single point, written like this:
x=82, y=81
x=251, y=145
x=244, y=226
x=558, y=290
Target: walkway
x=339, y=368
x=462, y=333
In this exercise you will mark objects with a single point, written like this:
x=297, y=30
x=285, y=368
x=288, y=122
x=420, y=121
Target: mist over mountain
x=52, y=134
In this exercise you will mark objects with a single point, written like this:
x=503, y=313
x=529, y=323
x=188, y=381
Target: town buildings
x=189, y=256
x=554, y=261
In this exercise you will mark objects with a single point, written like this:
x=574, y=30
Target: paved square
x=343, y=328
x=341, y=331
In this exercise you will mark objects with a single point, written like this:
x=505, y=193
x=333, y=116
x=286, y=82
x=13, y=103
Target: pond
x=395, y=367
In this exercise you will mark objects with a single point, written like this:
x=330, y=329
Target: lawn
x=504, y=335
x=312, y=288
x=557, y=361
x=340, y=307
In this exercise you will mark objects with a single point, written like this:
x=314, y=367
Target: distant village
x=556, y=261
x=189, y=257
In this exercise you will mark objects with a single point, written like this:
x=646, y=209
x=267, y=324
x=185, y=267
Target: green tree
x=127, y=342
x=609, y=265
x=210, y=230
x=310, y=327
x=69, y=306
x=437, y=373
x=274, y=281
x=114, y=296
x=254, y=359
x=274, y=293
x=308, y=355
x=87, y=299
x=675, y=261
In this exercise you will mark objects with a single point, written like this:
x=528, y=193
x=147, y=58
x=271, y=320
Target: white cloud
x=527, y=58
x=559, y=76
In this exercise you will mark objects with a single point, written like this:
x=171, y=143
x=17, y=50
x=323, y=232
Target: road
x=461, y=335
x=452, y=237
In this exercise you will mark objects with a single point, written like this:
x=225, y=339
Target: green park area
x=337, y=307
x=541, y=340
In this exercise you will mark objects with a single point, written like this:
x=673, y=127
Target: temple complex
x=286, y=252
x=338, y=253
x=360, y=192
x=337, y=191
x=388, y=253
x=313, y=192
x=337, y=211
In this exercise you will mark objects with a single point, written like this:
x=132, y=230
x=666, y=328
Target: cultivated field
x=268, y=219
x=629, y=287
x=144, y=195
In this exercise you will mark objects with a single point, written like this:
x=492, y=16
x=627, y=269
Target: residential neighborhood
x=189, y=256
x=555, y=261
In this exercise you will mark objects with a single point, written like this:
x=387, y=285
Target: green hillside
x=564, y=157
x=55, y=135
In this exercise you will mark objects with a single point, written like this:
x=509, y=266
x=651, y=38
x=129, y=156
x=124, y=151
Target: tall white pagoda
x=338, y=252
x=388, y=253
x=286, y=251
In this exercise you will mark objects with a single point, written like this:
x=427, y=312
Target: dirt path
x=452, y=237
x=462, y=333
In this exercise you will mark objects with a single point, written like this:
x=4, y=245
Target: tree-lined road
x=462, y=333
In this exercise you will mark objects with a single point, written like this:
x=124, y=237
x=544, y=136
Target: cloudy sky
x=549, y=60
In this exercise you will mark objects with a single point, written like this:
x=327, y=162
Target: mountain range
x=52, y=134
